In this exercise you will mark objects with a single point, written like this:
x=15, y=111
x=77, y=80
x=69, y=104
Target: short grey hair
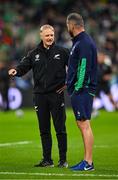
x=76, y=18
x=46, y=26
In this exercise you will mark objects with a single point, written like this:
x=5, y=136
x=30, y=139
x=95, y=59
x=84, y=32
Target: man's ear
x=40, y=35
x=73, y=26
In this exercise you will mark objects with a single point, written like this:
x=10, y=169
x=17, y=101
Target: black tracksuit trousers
x=47, y=105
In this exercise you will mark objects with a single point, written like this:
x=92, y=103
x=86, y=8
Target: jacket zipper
x=45, y=83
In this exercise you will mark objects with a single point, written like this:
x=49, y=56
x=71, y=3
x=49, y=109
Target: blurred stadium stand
x=20, y=22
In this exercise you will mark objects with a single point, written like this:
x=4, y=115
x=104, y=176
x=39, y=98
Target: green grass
x=17, y=160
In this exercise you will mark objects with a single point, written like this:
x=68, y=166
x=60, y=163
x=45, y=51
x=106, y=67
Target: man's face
x=70, y=27
x=47, y=36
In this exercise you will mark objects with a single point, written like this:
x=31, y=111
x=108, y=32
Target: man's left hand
x=59, y=91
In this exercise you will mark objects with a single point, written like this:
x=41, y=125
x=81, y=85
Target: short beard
x=71, y=34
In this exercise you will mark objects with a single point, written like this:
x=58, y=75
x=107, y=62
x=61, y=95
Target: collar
x=78, y=37
x=40, y=46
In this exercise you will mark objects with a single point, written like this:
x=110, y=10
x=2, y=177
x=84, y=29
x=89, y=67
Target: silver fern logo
x=57, y=56
x=36, y=108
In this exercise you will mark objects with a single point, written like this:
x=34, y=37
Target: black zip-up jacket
x=48, y=66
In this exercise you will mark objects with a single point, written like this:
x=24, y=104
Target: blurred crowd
x=20, y=22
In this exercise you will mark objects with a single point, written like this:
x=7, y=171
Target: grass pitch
x=20, y=147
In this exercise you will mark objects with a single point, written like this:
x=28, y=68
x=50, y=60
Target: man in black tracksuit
x=4, y=85
x=48, y=63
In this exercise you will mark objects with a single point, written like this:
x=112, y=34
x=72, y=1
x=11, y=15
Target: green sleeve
x=80, y=74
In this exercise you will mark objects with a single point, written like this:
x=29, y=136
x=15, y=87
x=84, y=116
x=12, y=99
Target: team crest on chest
x=57, y=56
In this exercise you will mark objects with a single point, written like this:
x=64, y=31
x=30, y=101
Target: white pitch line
x=15, y=143
x=102, y=146
x=105, y=146
x=54, y=174
x=28, y=142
